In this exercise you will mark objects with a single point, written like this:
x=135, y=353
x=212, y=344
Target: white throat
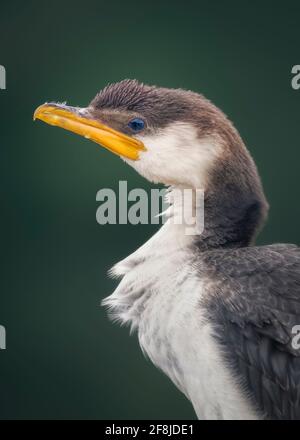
x=176, y=155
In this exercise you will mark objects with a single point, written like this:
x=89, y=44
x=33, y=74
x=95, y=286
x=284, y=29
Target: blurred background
x=64, y=358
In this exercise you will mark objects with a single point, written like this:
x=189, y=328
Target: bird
x=214, y=311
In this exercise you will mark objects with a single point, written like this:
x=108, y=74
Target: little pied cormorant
x=213, y=311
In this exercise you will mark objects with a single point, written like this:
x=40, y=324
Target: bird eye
x=136, y=124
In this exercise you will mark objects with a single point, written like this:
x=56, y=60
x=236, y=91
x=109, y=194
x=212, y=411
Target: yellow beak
x=70, y=119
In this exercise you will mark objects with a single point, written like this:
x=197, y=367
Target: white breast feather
x=160, y=296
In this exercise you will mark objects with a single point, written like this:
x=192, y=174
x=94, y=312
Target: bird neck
x=228, y=213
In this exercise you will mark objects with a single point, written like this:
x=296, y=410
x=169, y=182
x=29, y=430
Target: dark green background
x=64, y=359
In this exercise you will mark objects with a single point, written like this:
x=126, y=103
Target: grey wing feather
x=256, y=306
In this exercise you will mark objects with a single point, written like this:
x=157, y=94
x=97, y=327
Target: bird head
x=170, y=136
